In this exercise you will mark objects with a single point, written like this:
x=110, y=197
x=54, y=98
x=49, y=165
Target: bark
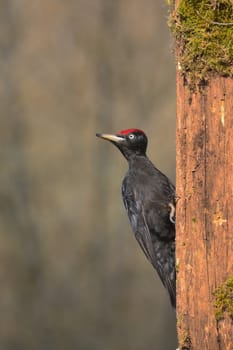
x=204, y=212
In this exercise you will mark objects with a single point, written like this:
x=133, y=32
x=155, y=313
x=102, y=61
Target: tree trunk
x=204, y=177
x=205, y=215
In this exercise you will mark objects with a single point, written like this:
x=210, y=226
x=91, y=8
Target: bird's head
x=130, y=141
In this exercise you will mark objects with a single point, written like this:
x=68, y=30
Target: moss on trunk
x=203, y=30
x=223, y=299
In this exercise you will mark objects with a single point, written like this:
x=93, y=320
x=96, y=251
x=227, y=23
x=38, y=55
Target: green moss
x=185, y=342
x=203, y=31
x=179, y=321
x=223, y=299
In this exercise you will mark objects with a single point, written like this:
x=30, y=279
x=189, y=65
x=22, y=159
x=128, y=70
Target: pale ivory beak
x=110, y=137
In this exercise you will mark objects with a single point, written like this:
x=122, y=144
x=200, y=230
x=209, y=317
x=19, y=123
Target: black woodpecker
x=149, y=198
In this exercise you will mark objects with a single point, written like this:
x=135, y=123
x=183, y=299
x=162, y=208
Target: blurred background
x=71, y=273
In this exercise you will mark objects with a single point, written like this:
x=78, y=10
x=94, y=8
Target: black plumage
x=149, y=198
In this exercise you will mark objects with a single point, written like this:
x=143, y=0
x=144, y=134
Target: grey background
x=72, y=275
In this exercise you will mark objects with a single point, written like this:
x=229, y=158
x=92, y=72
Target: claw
x=172, y=213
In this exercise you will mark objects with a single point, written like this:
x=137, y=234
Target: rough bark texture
x=204, y=211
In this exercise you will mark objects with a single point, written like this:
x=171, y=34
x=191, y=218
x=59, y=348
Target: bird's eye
x=131, y=136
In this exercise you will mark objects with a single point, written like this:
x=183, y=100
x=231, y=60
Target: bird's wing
x=161, y=257
x=157, y=252
x=143, y=236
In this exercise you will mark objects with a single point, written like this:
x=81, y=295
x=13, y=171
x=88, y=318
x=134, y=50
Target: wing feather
x=157, y=252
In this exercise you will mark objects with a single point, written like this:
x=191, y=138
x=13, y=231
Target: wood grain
x=204, y=211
